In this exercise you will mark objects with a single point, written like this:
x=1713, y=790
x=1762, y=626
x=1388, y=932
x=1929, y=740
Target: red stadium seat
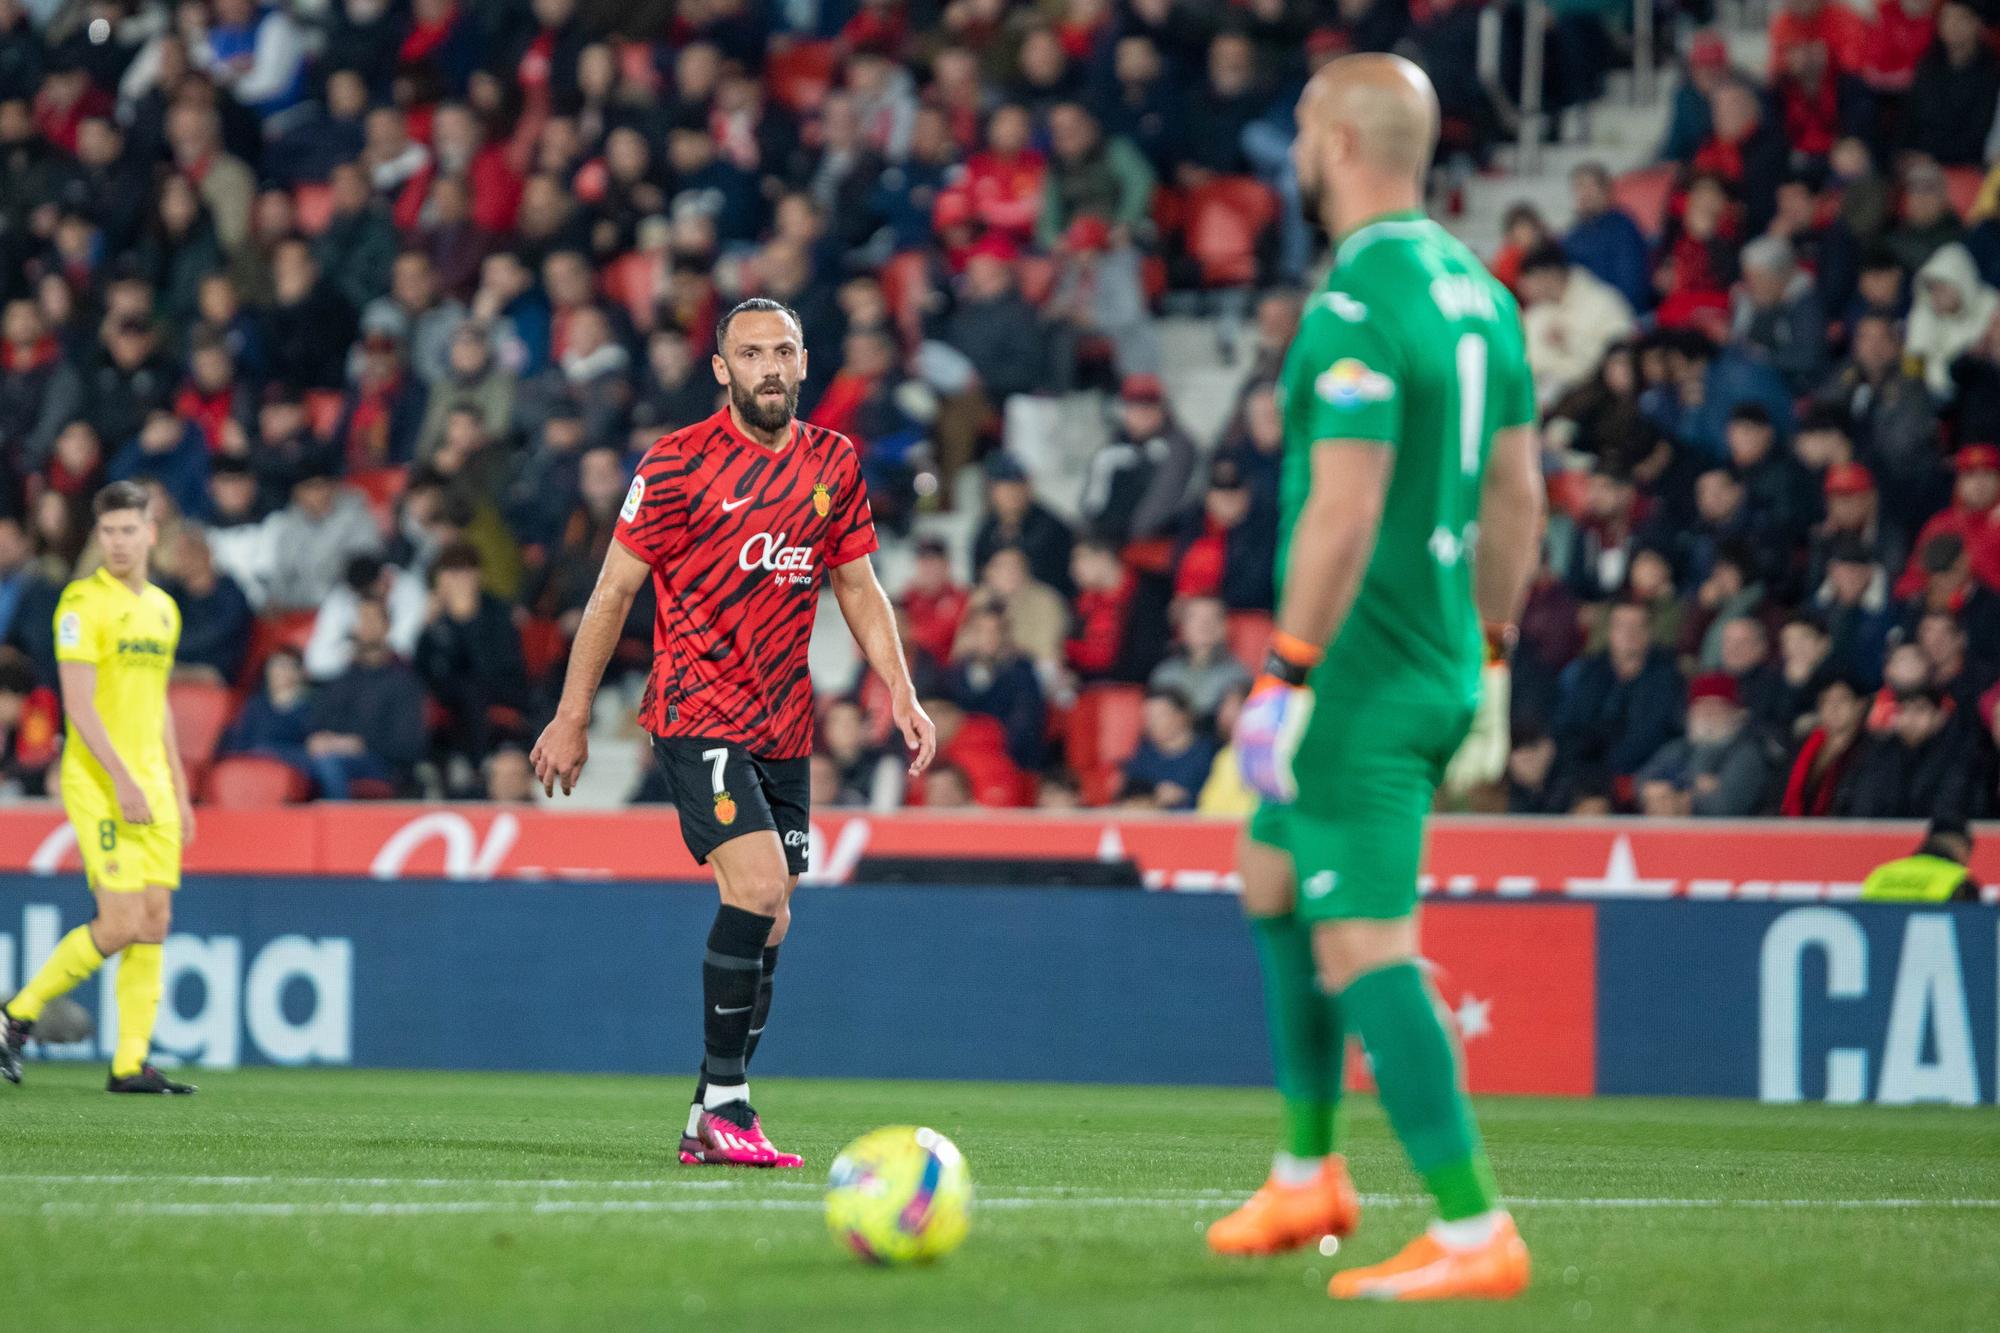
x=800, y=75
x=1036, y=277
x=1963, y=183
x=628, y=280
x=1118, y=721
x=906, y=281
x=1249, y=638
x=323, y=408
x=380, y=486
x=1644, y=194
x=543, y=647
x=312, y=207
x=253, y=782
x=201, y=710
x=1103, y=733
x=1568, y=492
x=289, y=629
x=1225, y=220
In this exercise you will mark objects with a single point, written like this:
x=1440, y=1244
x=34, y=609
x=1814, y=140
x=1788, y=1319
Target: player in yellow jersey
x=123, y=789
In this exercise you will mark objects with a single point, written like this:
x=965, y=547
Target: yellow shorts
x=125, y=858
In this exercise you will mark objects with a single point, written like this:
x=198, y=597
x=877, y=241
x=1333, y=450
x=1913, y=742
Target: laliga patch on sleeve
x=633, y=498
x=69, y=630
x=1350, y=383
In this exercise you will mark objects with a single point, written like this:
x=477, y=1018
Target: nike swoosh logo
x=731, y=506
x=743, y=1009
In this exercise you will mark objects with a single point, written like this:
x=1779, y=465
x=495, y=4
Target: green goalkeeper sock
x=1416, y=1070
x=1307, y=1039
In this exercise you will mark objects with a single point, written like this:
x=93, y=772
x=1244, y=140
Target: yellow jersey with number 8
x=130, y=638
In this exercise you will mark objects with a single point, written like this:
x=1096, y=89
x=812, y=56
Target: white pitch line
x=550, y=1207
x=1004, y=1195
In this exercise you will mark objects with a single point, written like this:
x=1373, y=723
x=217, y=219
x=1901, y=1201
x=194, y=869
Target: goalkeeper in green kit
x=1411, y=509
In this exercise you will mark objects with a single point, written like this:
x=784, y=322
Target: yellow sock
x=138, y=1005
x=75, y=959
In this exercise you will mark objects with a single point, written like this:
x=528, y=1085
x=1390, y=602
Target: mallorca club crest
x=822, y=499
x=725, y=808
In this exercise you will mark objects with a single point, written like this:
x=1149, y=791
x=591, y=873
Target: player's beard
x=759, y=415
x=1313, y=196
x=1313, y=199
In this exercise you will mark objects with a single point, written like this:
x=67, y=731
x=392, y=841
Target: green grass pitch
x=347, y=1200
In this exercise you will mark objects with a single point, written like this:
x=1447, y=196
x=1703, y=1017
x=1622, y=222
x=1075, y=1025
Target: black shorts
x=723, y=791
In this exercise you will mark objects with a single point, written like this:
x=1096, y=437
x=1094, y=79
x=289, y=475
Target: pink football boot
x=730, y=1135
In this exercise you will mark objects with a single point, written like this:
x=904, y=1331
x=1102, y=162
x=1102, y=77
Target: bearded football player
x=737, y=520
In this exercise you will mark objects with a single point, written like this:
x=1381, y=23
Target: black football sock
x=762, y=1012
x=732, y=972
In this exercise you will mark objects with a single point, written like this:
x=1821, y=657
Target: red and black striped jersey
x=738, y=537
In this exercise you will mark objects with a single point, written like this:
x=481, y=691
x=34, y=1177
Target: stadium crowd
x=1773, y=432
x=383, y=298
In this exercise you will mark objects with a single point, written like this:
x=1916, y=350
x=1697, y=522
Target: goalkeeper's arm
x=1510, y=526
x=1510, y=531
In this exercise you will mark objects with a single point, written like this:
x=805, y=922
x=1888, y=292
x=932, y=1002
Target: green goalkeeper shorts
x=1366, y=776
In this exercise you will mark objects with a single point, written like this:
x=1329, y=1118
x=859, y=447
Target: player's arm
x=1503, y=563
x=79, y=691
x=1352, y=415
x=1333, y=539
x=1510, y=521
x=564, y=744
x=1331, y=545
x=181, y=797
x=872, y=620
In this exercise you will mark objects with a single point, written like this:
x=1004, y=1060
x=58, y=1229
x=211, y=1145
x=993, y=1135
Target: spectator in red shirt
x=1004, y=181
x=933, y=600
x=1230, y=545
x=459, y=148
x=1829, y=22
x=1951, y=593
x=973, y=746
x=1897, y=39
x=211, y=398
x=955, y=89
x=878, y=25
x=1747, y=152
x=1974, y=516
x=30, y=726
x=1522, y=230
x=384, y=406
x=1819, y=105
x=1104, y=589
x=67, y=99
x=1819, y=777
x=546, y=59
x=1697, y=264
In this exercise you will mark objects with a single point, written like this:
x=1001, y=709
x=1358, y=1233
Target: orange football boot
x=1427, y=1271
x=1282, y=1217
